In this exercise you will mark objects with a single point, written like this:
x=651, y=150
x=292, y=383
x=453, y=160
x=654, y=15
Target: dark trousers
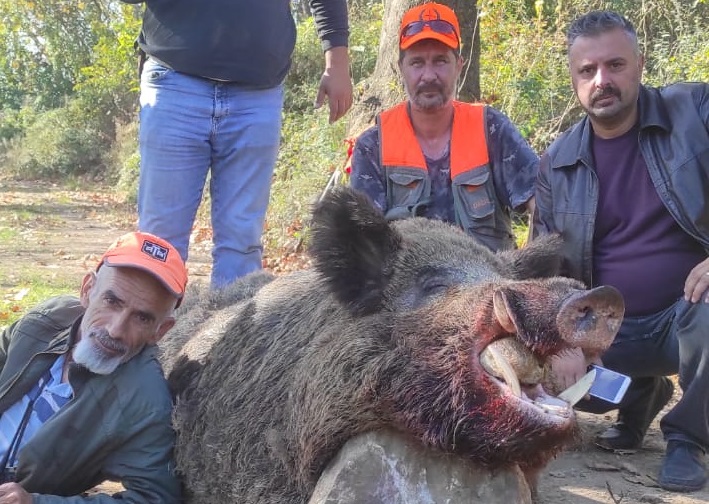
x=673, y=341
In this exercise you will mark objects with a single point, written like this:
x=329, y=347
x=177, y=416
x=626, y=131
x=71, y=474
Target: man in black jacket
x=211, y=97
x=627, y=187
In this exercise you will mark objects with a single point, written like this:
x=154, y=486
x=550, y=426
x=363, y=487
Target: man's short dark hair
x=598, y=22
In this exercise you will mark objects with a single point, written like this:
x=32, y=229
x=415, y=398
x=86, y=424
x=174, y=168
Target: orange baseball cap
x=152, y=254
x=429, y=21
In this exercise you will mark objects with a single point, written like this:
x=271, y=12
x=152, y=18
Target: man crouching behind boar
x=408, y=325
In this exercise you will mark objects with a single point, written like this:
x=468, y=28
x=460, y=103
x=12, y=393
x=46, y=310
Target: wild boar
x=408, y=325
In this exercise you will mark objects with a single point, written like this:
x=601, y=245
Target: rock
x=387, y=468
x=652, y=499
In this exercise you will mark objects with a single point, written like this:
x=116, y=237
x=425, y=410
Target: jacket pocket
x=405, y=189
x=474, y=194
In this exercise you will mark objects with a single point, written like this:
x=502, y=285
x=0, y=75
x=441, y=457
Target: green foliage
x=67, y=136
x=13, y=122
x=308, y=60
x=45, y=44
x=523, y=67
x=123, y=162
x=110, y=82
x=310, y=151
x=365, y=28
x=61, y=142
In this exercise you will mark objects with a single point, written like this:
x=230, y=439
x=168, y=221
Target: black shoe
x=620, y=437
x=627, y=434
x=683, y=468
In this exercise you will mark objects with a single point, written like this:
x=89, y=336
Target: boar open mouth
x=584, y=319
x=515, y=368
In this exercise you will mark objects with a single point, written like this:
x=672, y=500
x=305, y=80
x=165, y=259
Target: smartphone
x=609, y=385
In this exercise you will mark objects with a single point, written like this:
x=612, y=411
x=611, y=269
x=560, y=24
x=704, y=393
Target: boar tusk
x=578, y=390
x=502, y=314
x=495, y=364
x=525, y=365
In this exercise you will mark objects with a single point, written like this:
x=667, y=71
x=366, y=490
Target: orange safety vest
x=408, y=185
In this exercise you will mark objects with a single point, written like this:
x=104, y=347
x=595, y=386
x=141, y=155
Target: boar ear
x=352, y=246
x=540, y=258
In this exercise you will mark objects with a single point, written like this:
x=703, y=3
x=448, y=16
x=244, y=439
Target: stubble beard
x=429, y=103
x=610, y=113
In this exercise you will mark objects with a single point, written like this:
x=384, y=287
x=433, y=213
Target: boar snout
x=590, y=319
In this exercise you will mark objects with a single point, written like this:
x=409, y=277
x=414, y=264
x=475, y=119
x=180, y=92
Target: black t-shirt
x=248, y=42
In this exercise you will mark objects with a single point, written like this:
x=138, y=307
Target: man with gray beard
x=436, y=157
x=82, y=396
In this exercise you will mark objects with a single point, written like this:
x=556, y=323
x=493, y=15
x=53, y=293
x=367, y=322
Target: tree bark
x=383, y=88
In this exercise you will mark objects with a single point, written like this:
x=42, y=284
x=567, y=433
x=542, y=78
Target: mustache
x=104, y=338
x=428, y=87
x=605, y=93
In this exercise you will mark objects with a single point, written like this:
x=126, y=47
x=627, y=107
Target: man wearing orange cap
x=435, y=157
x=82, y=396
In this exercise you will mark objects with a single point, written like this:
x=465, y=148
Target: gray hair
x=598, y=22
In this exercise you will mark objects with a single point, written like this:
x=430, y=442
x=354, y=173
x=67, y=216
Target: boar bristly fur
x=386, y=331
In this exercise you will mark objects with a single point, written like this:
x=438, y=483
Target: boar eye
x=434, y=287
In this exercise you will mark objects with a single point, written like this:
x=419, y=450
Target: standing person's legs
x=245, y=138
x=175, y=126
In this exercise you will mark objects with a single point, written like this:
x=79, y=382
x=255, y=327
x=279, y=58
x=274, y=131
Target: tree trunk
x=383, y=88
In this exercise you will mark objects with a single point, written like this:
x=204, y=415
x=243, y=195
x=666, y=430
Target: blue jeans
x=675, y=340
x=189, y=125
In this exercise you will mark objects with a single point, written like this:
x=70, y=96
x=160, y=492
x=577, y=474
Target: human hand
x=13, y=493
x=697, y=283
x=335, y=83
x=568, y=367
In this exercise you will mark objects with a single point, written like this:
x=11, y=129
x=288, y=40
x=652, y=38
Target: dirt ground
x=585, y=475
x=59, y=232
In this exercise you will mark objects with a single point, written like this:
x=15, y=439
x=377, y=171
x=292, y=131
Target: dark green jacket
x=116, y=427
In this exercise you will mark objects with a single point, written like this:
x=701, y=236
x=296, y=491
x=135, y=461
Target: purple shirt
x=637, y=246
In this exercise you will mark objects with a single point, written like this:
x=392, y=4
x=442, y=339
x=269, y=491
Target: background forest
x=69, y=86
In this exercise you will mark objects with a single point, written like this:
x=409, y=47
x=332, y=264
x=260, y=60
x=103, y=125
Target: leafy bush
x=308, y=60
x=123, y=162
x=311, y=150
x=61, y=142
x=10, y=125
